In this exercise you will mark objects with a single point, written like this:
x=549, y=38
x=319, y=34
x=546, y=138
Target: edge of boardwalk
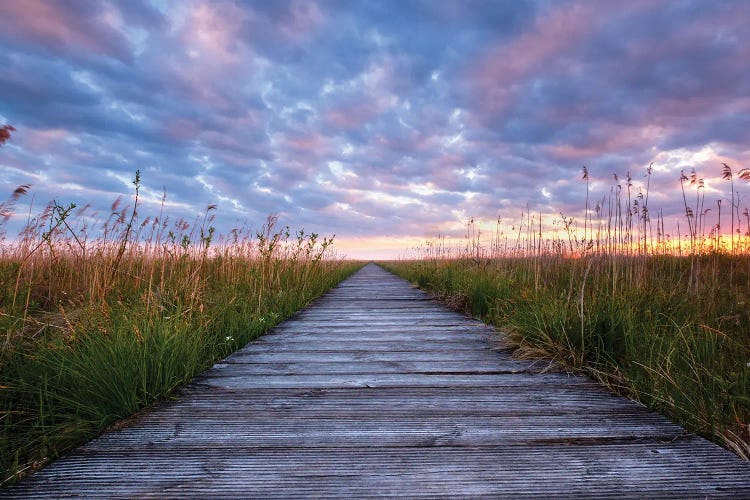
x=376, y=389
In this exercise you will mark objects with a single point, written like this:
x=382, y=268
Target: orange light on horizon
x=377, y=247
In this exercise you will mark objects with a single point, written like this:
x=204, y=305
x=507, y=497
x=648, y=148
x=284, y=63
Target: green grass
x=632, y=322
x=67, y=386
x=94, y=329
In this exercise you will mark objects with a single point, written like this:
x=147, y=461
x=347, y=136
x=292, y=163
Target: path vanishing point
x=378, y=390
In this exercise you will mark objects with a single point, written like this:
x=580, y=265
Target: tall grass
x=100, y=318
x=662, y=319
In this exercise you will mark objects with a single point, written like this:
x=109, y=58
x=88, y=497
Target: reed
x=663, y=319
x=101, y=318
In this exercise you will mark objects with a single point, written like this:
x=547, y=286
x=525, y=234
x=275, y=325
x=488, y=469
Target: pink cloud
x=210, y=33
x=310, y=144
x=350, y=117
x=303, y=19
x=52, y=25
x=494, y=78
x=181, y=130
x=609, y=138
x=210, y=53
x=43, y=139
x=504, y=64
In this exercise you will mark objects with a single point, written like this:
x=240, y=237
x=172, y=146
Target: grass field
x=99, y=318
x=663, y=319
x=93, y=329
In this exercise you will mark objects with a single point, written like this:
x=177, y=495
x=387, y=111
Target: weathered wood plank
x=424, y=355
x=226, y=425
x=387, y=380
x=396, y=404
x=377, y=390
x=638, y=470
x=375, y=345
x=454, y=331
x=475, y=400
x=487, y=366
x=402, y=335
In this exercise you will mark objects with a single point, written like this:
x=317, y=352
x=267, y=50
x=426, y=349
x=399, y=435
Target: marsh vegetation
x=99, y=318
x=663, y=319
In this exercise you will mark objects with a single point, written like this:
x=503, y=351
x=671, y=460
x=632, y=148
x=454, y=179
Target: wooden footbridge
x=378, y=390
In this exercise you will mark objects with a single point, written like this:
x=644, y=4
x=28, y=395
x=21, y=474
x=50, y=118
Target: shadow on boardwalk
x=378, y=390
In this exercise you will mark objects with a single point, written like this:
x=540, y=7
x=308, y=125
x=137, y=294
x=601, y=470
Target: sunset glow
x=386, y=123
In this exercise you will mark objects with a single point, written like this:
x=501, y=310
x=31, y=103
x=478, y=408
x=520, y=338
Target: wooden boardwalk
x=377, y=390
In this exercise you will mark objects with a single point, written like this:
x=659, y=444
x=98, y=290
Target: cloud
x=76, y=29
x=367, y=119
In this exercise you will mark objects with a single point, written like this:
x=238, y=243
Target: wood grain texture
x=378, y=390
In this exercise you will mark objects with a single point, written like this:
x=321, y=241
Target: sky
x=386, y=123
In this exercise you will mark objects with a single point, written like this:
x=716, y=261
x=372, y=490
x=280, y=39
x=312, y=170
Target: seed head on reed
x=5, y=131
